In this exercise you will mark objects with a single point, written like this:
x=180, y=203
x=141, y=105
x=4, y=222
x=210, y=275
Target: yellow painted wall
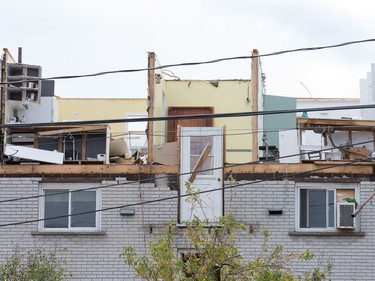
x=100, y=109
x=229, y=96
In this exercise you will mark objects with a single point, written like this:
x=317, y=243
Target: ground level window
x=69, y=209
x=319, y=208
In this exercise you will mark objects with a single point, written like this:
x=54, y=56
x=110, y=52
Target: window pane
x=331, y=208
x=197, y=145
x=317, y=208
x=55, y=206
x=83, y=201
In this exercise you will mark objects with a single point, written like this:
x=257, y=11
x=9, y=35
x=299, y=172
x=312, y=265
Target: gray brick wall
x=95, y=257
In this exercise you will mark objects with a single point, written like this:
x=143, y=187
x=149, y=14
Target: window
x=197, y=146
x=136, y=132
x=68, y=209
x=317, y=206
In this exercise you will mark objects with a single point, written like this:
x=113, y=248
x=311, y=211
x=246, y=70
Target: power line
x=189, y=117
x=199, y=62
x=176, y=196
x=244, y=131
x=171, y=197
x=177, y=175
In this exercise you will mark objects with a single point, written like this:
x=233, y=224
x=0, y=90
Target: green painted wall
x=274, y=123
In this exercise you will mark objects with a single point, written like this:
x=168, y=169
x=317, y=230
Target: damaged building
x=94, y=187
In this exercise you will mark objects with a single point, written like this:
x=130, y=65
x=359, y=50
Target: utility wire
x=174, y=175
x=199, y=62
x=244, y=131
x=188, y=117
x=179, y=196
x=171, y=197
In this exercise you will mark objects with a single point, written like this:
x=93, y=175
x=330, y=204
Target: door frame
x=216, y=180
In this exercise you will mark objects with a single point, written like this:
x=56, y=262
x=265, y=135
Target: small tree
x=37, y=264
x=213, y=256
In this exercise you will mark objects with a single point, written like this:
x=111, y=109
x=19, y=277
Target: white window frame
x=325, y=186
x=67, y=187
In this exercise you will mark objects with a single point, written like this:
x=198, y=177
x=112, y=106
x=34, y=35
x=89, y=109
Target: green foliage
x=213, y=256
x=36, y=264
x=162, y=263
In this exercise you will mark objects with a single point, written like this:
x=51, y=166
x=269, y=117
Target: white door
x=209, y=181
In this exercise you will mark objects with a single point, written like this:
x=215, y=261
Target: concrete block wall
x=95, y=257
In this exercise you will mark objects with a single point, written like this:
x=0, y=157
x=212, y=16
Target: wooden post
x=60, y=145
x=254, y=103
x=2, y=107
x=350, y=136
x=3, y=86
x=36, y=140
x=151, y=93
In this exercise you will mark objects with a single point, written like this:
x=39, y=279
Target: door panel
x=210, y=204
x=177, y=111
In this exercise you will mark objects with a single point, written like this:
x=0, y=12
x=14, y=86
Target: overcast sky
x=69, y=37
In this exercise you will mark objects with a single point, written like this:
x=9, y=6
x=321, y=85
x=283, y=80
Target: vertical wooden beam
x=350, y=136
x=254, y=103
x=151, y=94
x=36, y=140
x=60, y=145
x=3, y=86
x=2, y=107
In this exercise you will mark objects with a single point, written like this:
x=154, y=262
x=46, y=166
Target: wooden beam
x=60, y=145
x=360, y=168
x=36, y=141
x=71, y=130
x=3, y=88
x=86, y=169
x=254, y=103
x=200, y=163
x=329, y=167
x=338, y=124
x=151, y=94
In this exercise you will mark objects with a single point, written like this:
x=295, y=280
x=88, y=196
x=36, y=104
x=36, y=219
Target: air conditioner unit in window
x=344, y=215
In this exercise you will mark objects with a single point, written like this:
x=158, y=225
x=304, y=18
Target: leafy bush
x=37, y=264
